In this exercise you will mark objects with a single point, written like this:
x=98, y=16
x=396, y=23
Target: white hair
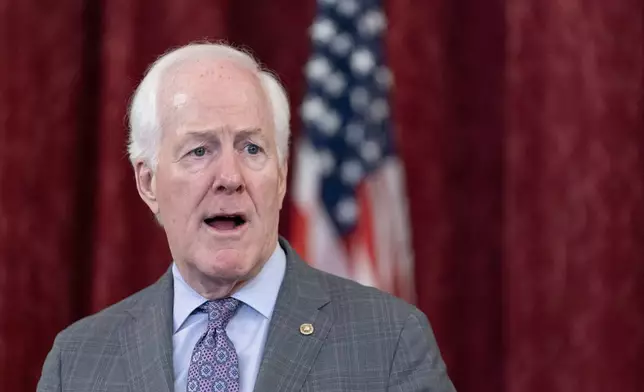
x=145, y=129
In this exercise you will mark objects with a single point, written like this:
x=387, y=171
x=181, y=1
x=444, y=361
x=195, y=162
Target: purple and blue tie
x=214, y=366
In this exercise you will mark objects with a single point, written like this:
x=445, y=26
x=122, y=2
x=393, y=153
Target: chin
x=228, y=264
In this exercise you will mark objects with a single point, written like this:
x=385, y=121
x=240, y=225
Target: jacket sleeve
x=417, y=365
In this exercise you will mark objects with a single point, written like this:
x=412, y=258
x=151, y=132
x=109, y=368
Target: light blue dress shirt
x=247, y=329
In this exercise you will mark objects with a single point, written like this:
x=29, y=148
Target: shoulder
x=378, y=328
x=103, y=325
x=348, y=300
x=353, y=301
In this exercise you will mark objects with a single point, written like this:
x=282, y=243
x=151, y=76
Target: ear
x=146, y=185
x=283, y=174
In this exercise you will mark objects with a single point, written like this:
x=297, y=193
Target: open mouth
x=226, y=222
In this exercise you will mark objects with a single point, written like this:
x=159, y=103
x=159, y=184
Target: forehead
x=213, y=94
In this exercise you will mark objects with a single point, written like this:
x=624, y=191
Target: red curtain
x=520, y=124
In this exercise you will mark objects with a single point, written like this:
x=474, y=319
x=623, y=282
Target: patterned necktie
x=214, y=366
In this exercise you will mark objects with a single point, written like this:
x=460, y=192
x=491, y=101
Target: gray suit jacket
x=363, y=340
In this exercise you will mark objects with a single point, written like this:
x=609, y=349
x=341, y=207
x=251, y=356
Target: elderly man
x=238, y=310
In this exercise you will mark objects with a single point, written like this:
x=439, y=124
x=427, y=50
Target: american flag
x=350, y=213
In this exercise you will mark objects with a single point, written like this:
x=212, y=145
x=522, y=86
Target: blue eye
x=253, y=149
x=199, y=151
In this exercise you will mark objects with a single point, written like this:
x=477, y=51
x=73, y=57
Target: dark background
x=521, y=127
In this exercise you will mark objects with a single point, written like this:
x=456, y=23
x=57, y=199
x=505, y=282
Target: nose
x=229, y=179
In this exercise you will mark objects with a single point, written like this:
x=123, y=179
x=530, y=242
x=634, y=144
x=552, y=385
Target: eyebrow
x=248, y=133
x=210, y=133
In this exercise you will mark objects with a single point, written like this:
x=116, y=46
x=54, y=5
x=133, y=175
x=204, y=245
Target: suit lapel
x=289, y=354
x=147, y=339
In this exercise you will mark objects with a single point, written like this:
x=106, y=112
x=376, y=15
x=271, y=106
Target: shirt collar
x=260, y=293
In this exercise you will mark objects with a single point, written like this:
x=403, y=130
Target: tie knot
x=220, y=311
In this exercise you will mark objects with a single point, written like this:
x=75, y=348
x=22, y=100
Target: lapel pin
x=306, y=329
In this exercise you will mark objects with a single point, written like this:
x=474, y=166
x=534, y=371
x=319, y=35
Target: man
x=238, y=310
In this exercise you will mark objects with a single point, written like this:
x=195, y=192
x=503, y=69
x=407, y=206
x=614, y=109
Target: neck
x=213, y=287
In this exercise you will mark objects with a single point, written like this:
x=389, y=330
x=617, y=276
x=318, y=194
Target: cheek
x=178, y=196
x=255, y=163
x=265, y=193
